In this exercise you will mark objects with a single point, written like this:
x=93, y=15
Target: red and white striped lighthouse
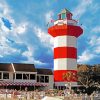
x=65, y=32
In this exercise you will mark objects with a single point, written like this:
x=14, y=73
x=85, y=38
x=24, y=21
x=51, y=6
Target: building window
x=37, y=78
x=25, y=76
x=18, y=76
x=13, y=76
x=32, y=76
x=5, y=75
x=42, y=79
x=0, y=75
x=46, y=79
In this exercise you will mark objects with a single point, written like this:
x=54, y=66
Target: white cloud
x=21, y=28
x=82, y=8
x=30, y=59
x=48, y=16
x=29, y=52
x=5, y=12
x=44, y=37
x=4, y=9
x=97, y=49
x=5, y=49
x=94, y=41
x=93, y=50
x=96, y=29
x=16, y=30
x=86, y=56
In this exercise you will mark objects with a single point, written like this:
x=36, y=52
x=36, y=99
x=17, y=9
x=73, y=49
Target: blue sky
x=23, y=30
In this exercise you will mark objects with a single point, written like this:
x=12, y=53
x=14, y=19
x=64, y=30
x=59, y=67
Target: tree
x=89, y=79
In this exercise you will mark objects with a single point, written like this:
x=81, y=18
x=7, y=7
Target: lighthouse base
x=65, y=75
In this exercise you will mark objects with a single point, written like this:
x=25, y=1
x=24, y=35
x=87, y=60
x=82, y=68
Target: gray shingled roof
x=6, y=67
x=44, y=71
x=24, y=67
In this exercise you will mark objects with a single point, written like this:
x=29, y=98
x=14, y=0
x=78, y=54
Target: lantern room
x=65, y=14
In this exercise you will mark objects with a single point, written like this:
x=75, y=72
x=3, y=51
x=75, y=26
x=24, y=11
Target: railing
x=65, y=21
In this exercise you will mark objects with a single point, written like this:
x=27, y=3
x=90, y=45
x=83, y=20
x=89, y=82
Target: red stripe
x=65, y=75
x=70, y=30
x=65, y=52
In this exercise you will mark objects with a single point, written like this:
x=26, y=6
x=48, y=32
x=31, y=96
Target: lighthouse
x=65, y=32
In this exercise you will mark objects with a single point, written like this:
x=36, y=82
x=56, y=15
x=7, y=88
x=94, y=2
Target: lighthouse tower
x=65, y=32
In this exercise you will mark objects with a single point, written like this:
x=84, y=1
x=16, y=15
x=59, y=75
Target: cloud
x=92, y=51
x=44, y=37
x=9, y=29
x=5, y=48
x=48, y=16
x=81, y=8
x=96, y=29
x=30, y=57
x=94, y=41
x=97, y=49
x=4, y=9
x=21, y=28
x=95, y=44
x=85, y=57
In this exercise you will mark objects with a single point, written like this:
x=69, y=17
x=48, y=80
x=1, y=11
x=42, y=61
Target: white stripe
x=61, y=41
x=65, y=64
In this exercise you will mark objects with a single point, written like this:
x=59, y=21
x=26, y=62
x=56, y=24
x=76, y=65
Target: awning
x=9, y=83
x=41, y=84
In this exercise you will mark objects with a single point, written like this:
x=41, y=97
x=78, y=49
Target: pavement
x=52, y=98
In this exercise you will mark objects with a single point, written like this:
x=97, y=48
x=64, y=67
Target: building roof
x=65, y=11
x=44, y=71
x=24, y=67
x=6, y=67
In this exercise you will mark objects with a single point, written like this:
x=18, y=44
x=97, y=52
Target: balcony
x=65, y=21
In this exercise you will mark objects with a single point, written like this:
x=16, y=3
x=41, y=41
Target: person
x=28, y=96
x=65, y=92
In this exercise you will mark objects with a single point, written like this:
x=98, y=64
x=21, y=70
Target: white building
x=25, y=75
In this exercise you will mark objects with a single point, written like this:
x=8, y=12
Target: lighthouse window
x=63, y=15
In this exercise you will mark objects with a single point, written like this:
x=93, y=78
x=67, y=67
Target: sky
x=24, y=34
